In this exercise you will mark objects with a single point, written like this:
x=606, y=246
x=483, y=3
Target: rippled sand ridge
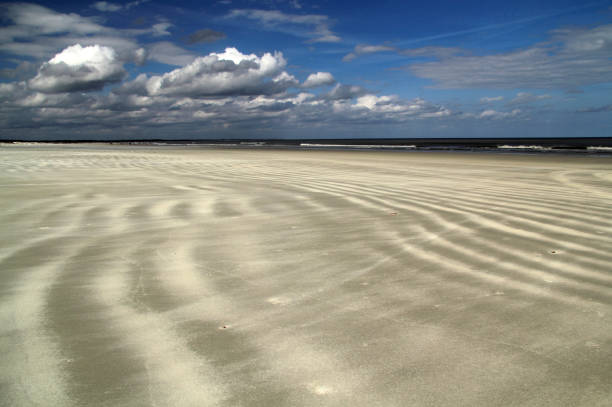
x=176, y=276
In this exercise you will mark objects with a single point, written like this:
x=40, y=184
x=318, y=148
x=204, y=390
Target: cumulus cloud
x=139, y=56
x=317, y=25
x=23, y=70
x=226, y=73
x=573, y=58
x=341, y=91
x=38, y=99
x=205, y=36
x=214, y=92
x=376, y=102
x=39, y=32
x=138, y=86
x=392, y=104
x=78, y=68
x=318, y=79
x=131, y=115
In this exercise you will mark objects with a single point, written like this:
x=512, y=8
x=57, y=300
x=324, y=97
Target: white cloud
x=431, y=51
x=227, y=73
x=363, y=49
x=318, y=79
x=393, y=105
x=31, y=20
x=106, y=6
x=78, y=68
x=341, y=92
x=373, y=102
x=11, y=91
x=212, y=92
x=284, y=77
x=38, y=99
x=112, y=7
x=576, y=57
x=160, y=29
x=39, y=32
x=140, y=56
x=200, y=114
x=586, y=40
x=491, y=99
x=526, y=97
x=495, y=115
x=319, y=25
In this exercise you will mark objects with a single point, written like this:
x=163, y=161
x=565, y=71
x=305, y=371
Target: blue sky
x=190, y=69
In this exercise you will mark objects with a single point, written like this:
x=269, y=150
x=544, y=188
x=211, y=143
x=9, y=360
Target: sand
x=174, y=276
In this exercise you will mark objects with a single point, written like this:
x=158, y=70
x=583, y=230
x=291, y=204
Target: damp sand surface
x=175, y=276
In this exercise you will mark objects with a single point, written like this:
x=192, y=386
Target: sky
x=147, y=69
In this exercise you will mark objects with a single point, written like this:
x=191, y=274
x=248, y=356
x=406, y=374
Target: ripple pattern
x=135, y=276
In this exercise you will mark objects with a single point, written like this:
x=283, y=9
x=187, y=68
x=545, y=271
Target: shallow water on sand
x=198, y=277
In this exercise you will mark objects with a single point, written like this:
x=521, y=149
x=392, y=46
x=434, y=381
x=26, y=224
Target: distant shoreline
x=585, y=145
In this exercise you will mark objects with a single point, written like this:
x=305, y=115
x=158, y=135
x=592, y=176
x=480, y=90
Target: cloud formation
x=573, y=58
x=218, y=92
x=318, y=79
x=170, y=54
x=106, y=6
x=39, y=32
x=78, y=68
x=430, y=51
x=363, y=49
x=342, y=92
x=491, y=99
x=226, y=73
x=112, y=7
x=32, y=19
x=491, y=114
x=526, y=97
x=394, y=105
x=317, y=25
x=596, y=109
x=160, y=29
x=205, y=35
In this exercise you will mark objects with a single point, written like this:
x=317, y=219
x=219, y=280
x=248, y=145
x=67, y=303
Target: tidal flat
x=183, y=276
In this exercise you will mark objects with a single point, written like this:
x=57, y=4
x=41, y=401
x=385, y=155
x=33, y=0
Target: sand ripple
x=188, y=277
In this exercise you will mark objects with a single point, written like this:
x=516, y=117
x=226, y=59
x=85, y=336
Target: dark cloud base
x=205, y=36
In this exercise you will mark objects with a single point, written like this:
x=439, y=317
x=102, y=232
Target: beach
x=187, y=276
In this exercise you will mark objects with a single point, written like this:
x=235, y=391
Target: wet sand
x=135, y=276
